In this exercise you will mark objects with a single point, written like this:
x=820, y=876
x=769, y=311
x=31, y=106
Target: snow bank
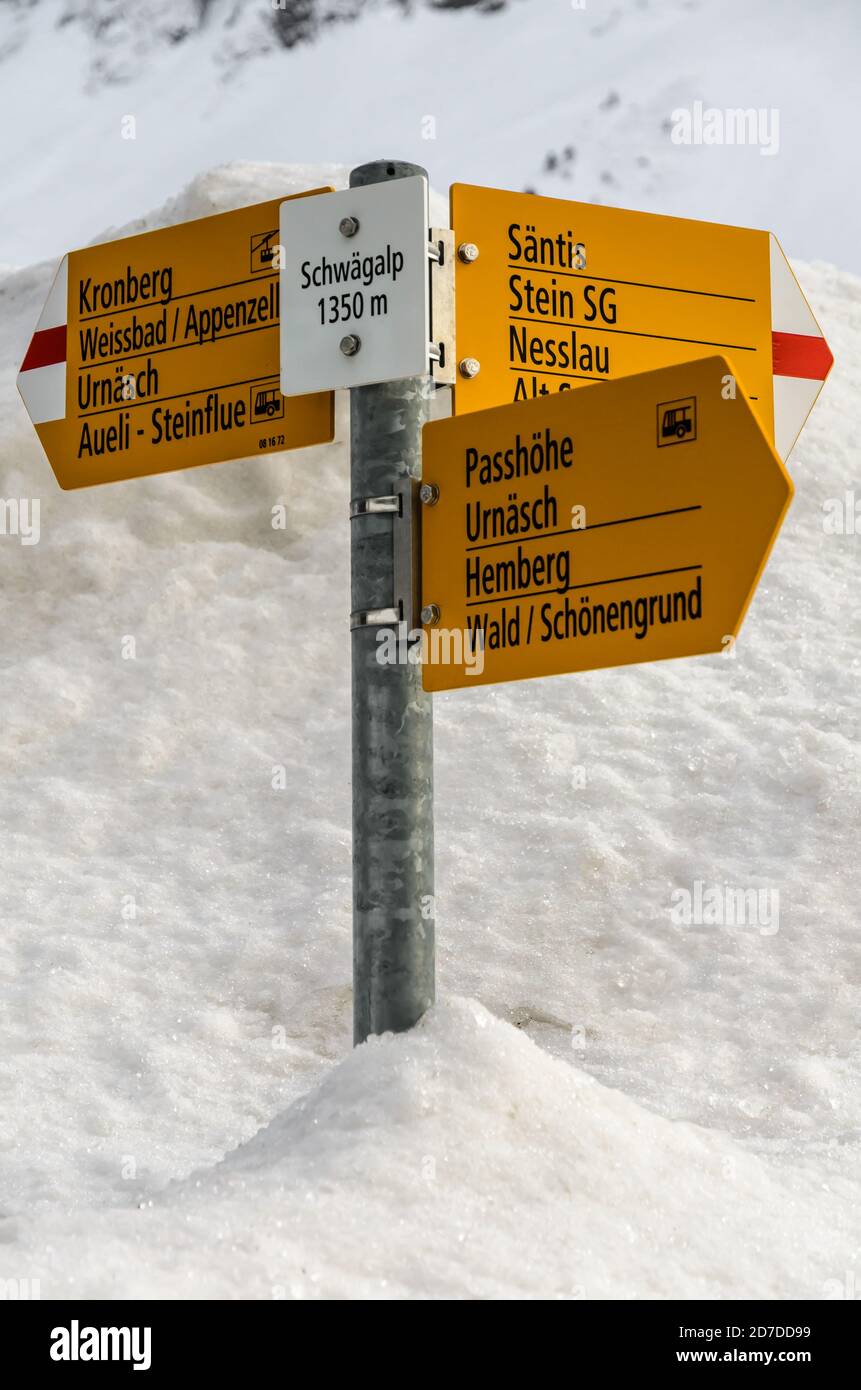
x=176, y=941
x=462, y=1161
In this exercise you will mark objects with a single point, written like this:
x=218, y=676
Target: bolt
x=430, y=614
x=348, y=226
x=350, y=344
x=467, y=252
x=469, y=366
x=429, y=494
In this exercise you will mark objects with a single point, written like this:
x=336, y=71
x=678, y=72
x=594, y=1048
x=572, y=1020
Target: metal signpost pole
x=393, y=884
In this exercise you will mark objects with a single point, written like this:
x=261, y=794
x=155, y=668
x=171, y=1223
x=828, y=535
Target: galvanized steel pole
x=393, y=871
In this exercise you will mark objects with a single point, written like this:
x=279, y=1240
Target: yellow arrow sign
x=160, y=351
x=623, y=523
x=560, y=294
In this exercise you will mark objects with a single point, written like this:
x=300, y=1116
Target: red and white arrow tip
x=801, y=358
x=42, y=378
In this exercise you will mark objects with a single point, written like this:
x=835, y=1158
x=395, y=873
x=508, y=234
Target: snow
x=176, y=943
x=476, y=97
x=462, y=1161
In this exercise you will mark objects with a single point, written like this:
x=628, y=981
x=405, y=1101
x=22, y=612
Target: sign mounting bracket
x=402, y=504
x=442, y=325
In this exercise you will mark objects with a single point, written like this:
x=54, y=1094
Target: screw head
x=429, y=494
x=430, y=614
x=350, y=344
x=469, y=366
x=467, y=252
x=348, y=226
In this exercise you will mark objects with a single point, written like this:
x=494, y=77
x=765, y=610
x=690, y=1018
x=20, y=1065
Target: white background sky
x=503, y=91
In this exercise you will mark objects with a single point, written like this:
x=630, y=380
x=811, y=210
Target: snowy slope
x=176, y=944
x=461, y=1161
x=479, y=97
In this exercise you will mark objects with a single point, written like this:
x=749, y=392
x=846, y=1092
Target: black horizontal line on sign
x=190, y=294
x=594, y=584
x=175, y=347
x=628, y=332
x=569, y=376
x=637, y=284
x=578, y=530
x=157, y=400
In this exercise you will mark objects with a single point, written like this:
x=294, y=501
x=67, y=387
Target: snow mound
x=461, y=1160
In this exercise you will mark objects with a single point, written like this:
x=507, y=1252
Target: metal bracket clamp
x=403, y=506
x=441, y=255
x=372, y=506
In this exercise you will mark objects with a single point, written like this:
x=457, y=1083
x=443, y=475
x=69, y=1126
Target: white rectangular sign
x=355, y=287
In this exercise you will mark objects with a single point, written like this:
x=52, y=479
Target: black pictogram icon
x=677, y=421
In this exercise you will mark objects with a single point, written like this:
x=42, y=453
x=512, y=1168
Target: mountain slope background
x=107, y=109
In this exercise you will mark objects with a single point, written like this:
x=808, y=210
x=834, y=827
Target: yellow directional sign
x=623, y=523
x=160, y=351
x=553, y=295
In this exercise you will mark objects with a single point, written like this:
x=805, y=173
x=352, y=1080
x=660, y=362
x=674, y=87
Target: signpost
x=160, y=351
x=553, y=295
x=562, y=529
x=393, y=863
x=624, y=523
